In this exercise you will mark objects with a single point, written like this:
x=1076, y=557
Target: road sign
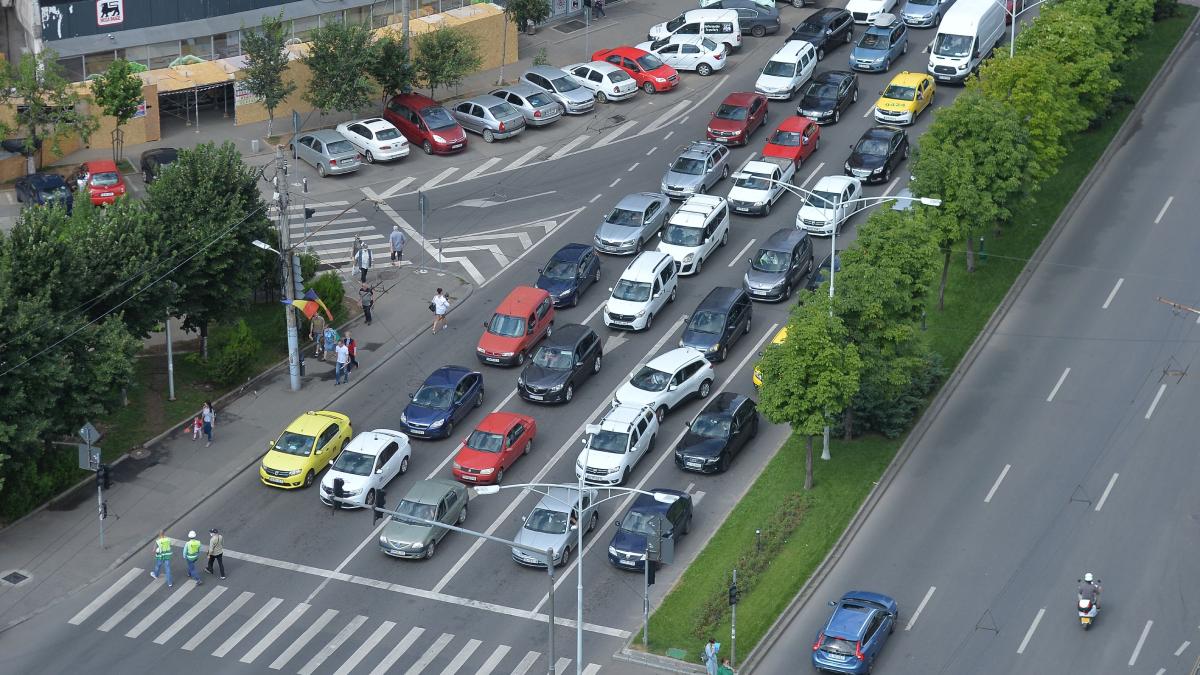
x=89, y=433
x=295, y=123
x=423, y=204
x=89, y=457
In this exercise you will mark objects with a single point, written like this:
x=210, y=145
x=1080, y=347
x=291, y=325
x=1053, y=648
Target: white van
x=719, y=25
x=968, y=34
x=787, y=71
x=644, y=288
x=695, y=231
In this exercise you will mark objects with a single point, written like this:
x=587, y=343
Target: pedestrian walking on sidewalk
x=316, y=333
x=216, y=552
x=329, y=340
x=710, y=656
x=341, y=362
x=366, y=295
x=598, y=5
x=208, y=418
x=397, y=240
x=191, y=553
x=363, y=260
x=197, y=428
x=352, y=347
x=440, y=305
x=162, y=556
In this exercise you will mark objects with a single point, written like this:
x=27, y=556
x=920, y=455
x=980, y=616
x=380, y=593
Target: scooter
x=1087, y=612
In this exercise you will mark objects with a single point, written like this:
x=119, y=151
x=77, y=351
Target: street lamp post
x=1012, y=15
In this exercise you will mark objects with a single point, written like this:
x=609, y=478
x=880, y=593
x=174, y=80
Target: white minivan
x=719, y=25
x=645, y=287
x=695, y=231
x=787, y=71
x=968, y=34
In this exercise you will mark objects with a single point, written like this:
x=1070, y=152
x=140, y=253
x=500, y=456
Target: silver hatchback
x=327, y=150
x=696, y=170
x=536, y=105
x=565, y=89
x=631, y=223
x=490, y=117
x=553, y=524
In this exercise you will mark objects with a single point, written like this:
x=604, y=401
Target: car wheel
x=520, y=358
x=787, y=292
x=462, y=515
x=625, y=477
x=937, y=20
x=479, y=401
x=705, y=388
x=575, y=299
x=837, y=116
x=724, y=237
x=758, y=31
x=321, y=170
x=816, y=145
x=529, y=447
x=369, y=157
x=687, y=525
x=649, y=88
x=596, y=365
x=766, y=212
x=403, y=466
x=808, y=269
x=887, y=65
x=369, y=500
x=597, y=277
x=854, y=96
x=746, y=330
x=430, y=550
x=565, y=558
x=488, y=136
x=704, y=70
x=601, y=97
x=638, y=249
x=595, y=520
x=725, y=171
x=699, y=265
x=798, y=4
x=308, y=478
x=906, y=152
x=849, y=36
x=145, y=179
x=500, y=477
x=887, y=174
x=569, y=393
x=821, y=54
x=754, y=427
x=652, y=443
x=449, y=429
x=905, y=49
x=427, y=147
x=724, y=352
x=649, y=322
x=671, y=297
x=661, y=413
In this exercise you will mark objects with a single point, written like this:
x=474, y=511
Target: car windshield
x=625, y=217
x=641, y=523
x=438, y=117
x=711, y=426
x=539, y=99
x=779, y=69
x=634, y=291
x=554, y=358
x=609, y=441
x=732, y=112
x=59, y=191
x=502, y=110
x=781, y=137
x=562, y=84
x=752, y=181
x=900, y=92
x=871, y=146
x=649, y=379
x=767, y=260
x=105, y=178
x=507, y=326
x=956, y=46
x=682, y=236
x=387, y=134
x=484, y=441
x=649, y=62
x=354, y=463
x=546, y=521
x=707, y=322
x=838, y=646
x=821, y=90
x=438, y=398
x=292, y=443
x=821, y=199
x=660, y=43
x=339, y=147
x=560, y=269
x=925, y=3
x=417, y=509
x=688, y=165
x=874, y=41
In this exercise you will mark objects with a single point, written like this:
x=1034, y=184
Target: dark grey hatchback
x=563, y=361
x=779, y=265
x=719, y=320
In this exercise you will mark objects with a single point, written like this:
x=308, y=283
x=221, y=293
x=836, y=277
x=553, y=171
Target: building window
x=161, y=54
x=199, y=46
x=226, y=45
x=73, y=67
x=358, y=15
x=97, y=62
x=303, y=27
x=331, y=17
x=134, y=55
x=381, y=13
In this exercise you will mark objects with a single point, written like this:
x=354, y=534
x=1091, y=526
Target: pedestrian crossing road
x=283, y=635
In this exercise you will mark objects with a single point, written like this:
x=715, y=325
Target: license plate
x=536, y=397
x=106, y=194
x=274, y=480
x=628, y=563
x=943, y=77
x=456, y=146
x=418, y=432
x=491, y=359
x=467, y=476
x=743, y=209
x=694, y=465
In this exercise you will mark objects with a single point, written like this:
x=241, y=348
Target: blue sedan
x=855, y=634
x=569, y=273
x=445, y=398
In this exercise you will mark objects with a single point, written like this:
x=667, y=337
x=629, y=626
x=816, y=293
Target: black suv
x=563, y=361
x=672, y=515
x=718, y=433
x=825, y=29
x=779, y=264
x=719, y=320
x=827, y=95
x=876, y=154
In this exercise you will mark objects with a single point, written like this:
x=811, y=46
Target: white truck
x=760, y=184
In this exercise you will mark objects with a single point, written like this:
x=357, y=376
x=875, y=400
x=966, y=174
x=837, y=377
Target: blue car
x=446, y=396
x=855, y=634
x=627, y=549
x=569, y=273
x=43, y=188
x=880, y=45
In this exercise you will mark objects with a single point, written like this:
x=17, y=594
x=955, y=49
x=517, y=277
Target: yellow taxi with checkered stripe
x=304, y=448
x=905, y=98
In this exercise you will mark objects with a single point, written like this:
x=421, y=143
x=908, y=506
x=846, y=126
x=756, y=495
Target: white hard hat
x=192, y=535
x=1088, y=577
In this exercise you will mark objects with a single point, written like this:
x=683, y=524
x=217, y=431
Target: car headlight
x=479, y=350
x=456, y=465
x=877, y=171
x=488, y=471
x=438, y=139
x=612, y=550
x=563, y=294
x=681, y=343
x=579, y=466
x=506, y=354
x=779, y=284
x=715, y=348
x=295, y=472
x=557, y=387
x=641, y=313
x=660, y=80
x=416, y=546
x=688, y=258
x=262, y=466
x=352, y=493
x=383, y=541
x=437, y=425
x=961, y=67
x=762, y=202
x=403, y=418
x=596, y=239
x=521, y=380
x=848, y=166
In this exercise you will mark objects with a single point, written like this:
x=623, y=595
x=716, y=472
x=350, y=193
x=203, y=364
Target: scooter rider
x=1089, y=589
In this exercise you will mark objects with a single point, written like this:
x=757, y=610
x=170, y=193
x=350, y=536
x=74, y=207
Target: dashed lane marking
x=921, y=607
x=742, y=252
x=1141, y=641
x=1157, y=397
x=1113, y=293
x=1104, y=497
x=1061, y=378
x=1163, y=210
x=1029, y=633
x=996, y=486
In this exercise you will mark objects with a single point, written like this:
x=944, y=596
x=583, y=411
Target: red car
x=101, y=179
x=494, y=446
x=797, y=138
x=1013, y=7
x=426, y=124
x=651, y=74
x=737, y=118
x=520, y=322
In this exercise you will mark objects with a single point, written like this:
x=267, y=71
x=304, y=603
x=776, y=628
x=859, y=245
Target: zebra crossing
x=331, y=231
x=257, y=629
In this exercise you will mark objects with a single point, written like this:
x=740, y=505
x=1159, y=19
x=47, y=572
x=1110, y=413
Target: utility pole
x=289, y=287
x=734, y=596
x=170, y=362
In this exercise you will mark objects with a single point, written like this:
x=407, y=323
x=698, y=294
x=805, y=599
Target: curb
x=1131, y=123
x=230, y=476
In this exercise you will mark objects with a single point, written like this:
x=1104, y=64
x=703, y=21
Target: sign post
x=90, y=434
x=423, y=207
x=734, y=596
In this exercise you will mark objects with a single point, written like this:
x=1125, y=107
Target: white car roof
x=373, y=442
x=835, y=183
x=644, y=265
x=675, y=359
x=600, y=66
x=695, y=211
x=792, y=50
x=621, y=417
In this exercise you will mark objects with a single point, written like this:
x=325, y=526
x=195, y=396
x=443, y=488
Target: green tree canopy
x=1071, y=41
x=445, y=56
x=341, y=58
x=47, y=104
x=266, y=61
x=904, y=240
x=118, y=91
x=520, y=11
x=391, y=66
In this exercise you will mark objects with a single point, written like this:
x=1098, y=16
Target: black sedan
x=825, y=29
x=42, y=189
x=877, y=153
x=718, y=433
x=568, y=274
x=154, y=161
x=564, y=360
x=827, y=95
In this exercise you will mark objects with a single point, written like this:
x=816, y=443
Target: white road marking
x=333, y=645
x=461, y=658
x=365, y=648
x=419, y=240
x=683, y=120
x=869, y=111
x=635, y=165
x=162, y=608
x=697, y=496
x=1113, y=293
x=591, y=669
x=432, y=182
x=1161, y=212
x=1141, y=640
x=920, y=607
x=1061, y=378
x=1161, y=671
x=561, y=665
x=612, y=135
x=1154, y=403
x=593, y=199
x=594, y=312
x=481, y=168
x=501, y=259
x=494, y=660
x=551, y=224
x=251, y=623
x=523, y=237
x=651, y=151
x=430, y=654
x=523, y=159
x=742, y=252
x=526, y=663
x=397, y=651
x=301, y=642
x=314, y=225
x=104, y=597
x=1182, y=647
x=1104, y=497
x=386, y=194
x=891, y=186
x=1032, y=627
x=812, y=175
x=614, y=183
x=571, y=145
x=665, y=118
x=211, y=627
x=192, y=613
x=276, y=630
x=669, y=134
x=128, y=608
x=996, y=485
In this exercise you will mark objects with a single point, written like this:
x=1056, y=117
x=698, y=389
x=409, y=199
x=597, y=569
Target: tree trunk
x=270, y=121
x=970, y=254
x=204, y=341
x=808, y=477
x=848, y=424
x=942, y=285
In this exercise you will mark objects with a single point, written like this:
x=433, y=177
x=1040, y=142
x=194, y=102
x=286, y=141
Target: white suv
x=787, y=71
x=644, y=288
x=613, y=447
x=695, y=231
x=668, y=380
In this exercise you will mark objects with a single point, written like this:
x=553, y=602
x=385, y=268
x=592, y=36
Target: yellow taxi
x=905, y=98
x=777, y=340
x=304, y=448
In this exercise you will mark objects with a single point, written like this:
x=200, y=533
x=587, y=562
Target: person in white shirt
x=440, y=305
x=340, y=368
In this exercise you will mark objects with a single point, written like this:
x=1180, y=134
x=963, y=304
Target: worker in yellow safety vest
x=191, y=553
x=162, y=556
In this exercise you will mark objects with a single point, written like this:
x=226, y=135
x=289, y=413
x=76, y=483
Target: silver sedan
x=538, y=107
x=489, y=116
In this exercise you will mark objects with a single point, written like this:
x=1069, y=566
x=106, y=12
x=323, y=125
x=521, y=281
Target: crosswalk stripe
x=269, y=639
x=365, y=648
x=481, y=168
x=526, y=663
x=493, y=660
x=571, y=145
x=309, y=633
x=299, y=230
x=85, y=613
x=430, y=654
x=612, y=136
x=591, y=669
x=523, y=159
x=120, y=615
x=337, y=641
x=251, y=623
x=398, y=651
x=187, y=617
x=433, y=182
x=561, y=666
x=461, y=658
x=345, y=240
x=159, y=611
x=218, y=621
x=316, y=224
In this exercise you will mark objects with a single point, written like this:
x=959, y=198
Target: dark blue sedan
x=568, y=274
x=445, y=398
x=42, y=189
x=855, y=634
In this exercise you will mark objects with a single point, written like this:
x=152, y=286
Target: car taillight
x=537, y=114
x=333, y=162
x=502, y=126
x=720, y=55
x=819, y=642
x=858, y=650
x=385, y=147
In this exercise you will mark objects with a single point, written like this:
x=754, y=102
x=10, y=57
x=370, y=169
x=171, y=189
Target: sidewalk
x=57, y=548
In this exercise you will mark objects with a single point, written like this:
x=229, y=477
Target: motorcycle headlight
x=437, y=425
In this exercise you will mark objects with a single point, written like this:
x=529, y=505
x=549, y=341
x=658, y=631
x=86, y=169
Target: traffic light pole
x=100, y=501
x=733, y=596
x=646, y=599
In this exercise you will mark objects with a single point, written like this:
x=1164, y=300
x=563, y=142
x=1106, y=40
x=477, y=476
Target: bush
x=308, y=266
x=875, y=410
x=233, y=354
x=329, y=288
x=541, y=59
x=1165, y=9
x=39, y=479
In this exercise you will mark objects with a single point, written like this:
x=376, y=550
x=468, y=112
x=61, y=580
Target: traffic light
x=308, y=212
x=103, y=477
x=380, y=505
x=734, y=595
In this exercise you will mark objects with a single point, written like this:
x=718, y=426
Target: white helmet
x=1088, y=577
x=192, y=535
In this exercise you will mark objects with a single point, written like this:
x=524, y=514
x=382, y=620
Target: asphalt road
x=1068, y=447
x=470, y=607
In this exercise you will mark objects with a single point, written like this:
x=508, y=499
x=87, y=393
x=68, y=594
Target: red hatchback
x=493, y=447
x=651, y=74
x=102, y=180
x=797, y=138
x=737, y=118
x=520, y=322
x=426, y=124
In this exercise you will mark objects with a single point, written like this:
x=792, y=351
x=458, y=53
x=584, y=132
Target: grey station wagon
x=327, y=150
x=696, y=170
x=565, y=89
x=631, y=223
x=536, y=105
x=490, y=117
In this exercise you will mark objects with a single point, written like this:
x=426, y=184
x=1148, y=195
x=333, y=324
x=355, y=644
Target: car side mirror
x=687, y=425
x=271, y=444
x=331, y=464
x=712, y=114
x=658, y=294
x=833, y=603
x=540, y=269
x=379, y=470
x=410, y=397
x=750, y=260
x=574, y=528
x=672, y=387
x=523, y=518
x=803, y=141
x=610, y=289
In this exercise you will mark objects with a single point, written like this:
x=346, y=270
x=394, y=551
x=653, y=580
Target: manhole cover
x=617, y=119
x=139, y=453
x=570, y=26
x=15, y=578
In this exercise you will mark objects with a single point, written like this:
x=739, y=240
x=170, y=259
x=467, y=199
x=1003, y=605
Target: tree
x=266, y=60
x=391, y=66
x=1071, y=42
x=119, y=93
x=445, y=56
x=904, y=240
x=812, y=374
x=522, y=11
x=341, y=58
x=47, y=105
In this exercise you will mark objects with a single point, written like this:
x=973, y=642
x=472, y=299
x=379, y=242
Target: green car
x=444, y=501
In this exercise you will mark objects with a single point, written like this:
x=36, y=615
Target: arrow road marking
x=484, y=203
x=525, y=240
x=494, y=249
x=615, y=340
